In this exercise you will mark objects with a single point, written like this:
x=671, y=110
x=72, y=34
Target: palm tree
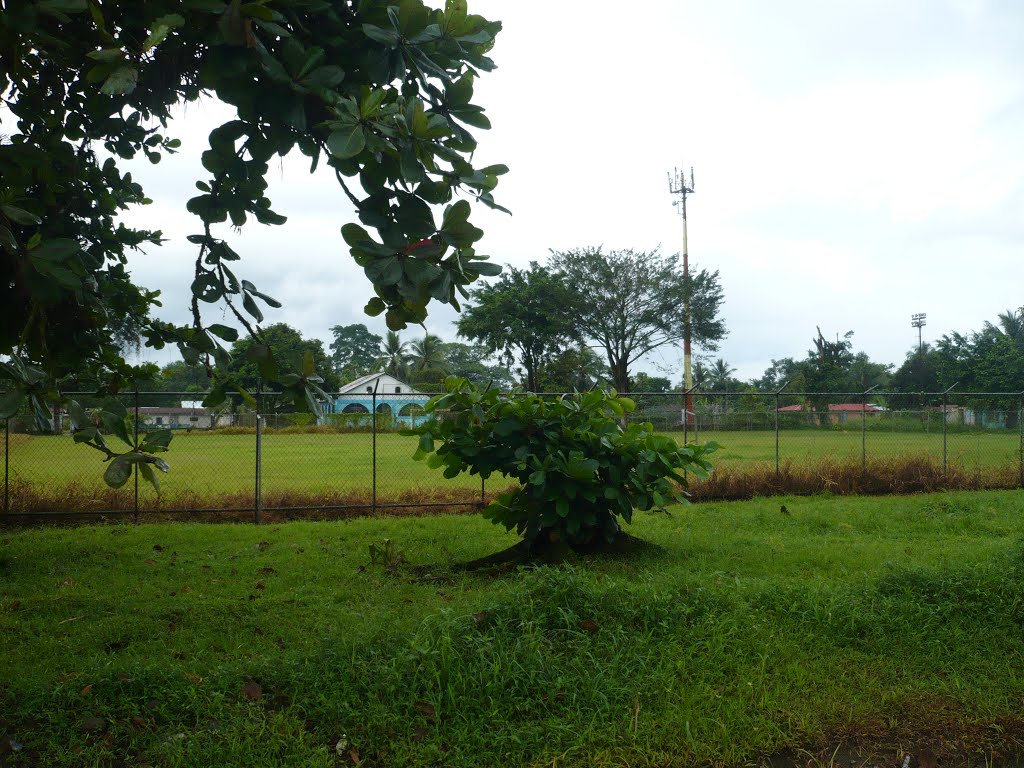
x=394, y=356
x=720, y=374
x=428, y=353
x=1011, y=324
x=700, y=374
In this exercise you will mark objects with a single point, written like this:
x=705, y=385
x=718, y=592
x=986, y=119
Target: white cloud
x=855, y=163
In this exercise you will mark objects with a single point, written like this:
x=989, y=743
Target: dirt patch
x=932, y=732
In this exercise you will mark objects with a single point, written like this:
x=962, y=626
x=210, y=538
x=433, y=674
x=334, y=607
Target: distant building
x=391, y=397
x=838, y=413
x=187, y=416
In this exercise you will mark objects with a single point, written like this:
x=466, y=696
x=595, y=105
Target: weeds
x=876, y=623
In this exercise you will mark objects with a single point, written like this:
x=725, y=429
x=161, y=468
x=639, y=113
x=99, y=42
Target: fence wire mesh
x=354, y=457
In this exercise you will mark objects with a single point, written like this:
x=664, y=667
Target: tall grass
x=889, y=626
x=730, y=481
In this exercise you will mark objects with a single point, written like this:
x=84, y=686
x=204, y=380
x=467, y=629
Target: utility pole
x=917, y=321
x=677, y=185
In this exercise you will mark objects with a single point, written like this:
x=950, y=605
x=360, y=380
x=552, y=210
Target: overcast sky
x=855, y=162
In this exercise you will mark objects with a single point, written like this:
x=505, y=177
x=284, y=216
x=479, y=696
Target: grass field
x=207, y=466
x=887, y=626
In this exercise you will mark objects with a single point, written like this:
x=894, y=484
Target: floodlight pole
x=677, y=185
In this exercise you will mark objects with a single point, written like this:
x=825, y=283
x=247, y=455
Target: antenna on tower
x=677, y=186
x=918, y=321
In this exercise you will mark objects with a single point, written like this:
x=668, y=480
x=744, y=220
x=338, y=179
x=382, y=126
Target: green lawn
x=208, y=466
x=881, y=623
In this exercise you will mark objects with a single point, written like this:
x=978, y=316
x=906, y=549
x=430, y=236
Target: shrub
x=579, y=470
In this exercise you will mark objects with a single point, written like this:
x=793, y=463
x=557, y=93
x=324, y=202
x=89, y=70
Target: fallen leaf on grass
x=149, y=561
x=93, y=725
x=195, y=678
x=266, y=570
x=14, y=605
x=480, y=618
x=86, y=690
x=68, y=582
x=426, y=709
x=252, y=691
x=260, y=585
x=589, y=626
x=140, y=723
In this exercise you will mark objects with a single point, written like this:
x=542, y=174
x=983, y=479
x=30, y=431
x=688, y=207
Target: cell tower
x=677, y=185
x=918, y=321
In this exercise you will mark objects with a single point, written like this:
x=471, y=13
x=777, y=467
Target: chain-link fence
x=353, y=459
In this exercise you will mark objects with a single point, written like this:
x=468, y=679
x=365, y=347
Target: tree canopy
x=380, y=93
x=354, y=350
x=290, y=349
x=629, y=303
x=989, y=360
x=526, y=315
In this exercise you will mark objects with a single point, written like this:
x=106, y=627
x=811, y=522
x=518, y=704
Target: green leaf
x=118, y=472
x=149, y=475
x=455, y=214
x=10, y=403
x=347, y=142
x=250, y=306
x=388, y=37
x=369, y=105
x=56, y=251
x=353, y=234
x=207, y=288
x=7, y=241
x=386, y=271
x=225, y=332
x=161, y=28
x=65, y=6
x=375, y=306
x=20, y=215
x=329, y=76
x=157, y=439
x=121, y=81
x=232, y=24
x=487, y=269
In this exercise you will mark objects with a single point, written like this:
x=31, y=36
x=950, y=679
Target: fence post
x=777, y=393
x=945, y=402
x=136, y=434
x=1020, y=428
x=373, y=508
x=686, y=422
x=6, y=466
x=259, y=453
x=864, y=428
